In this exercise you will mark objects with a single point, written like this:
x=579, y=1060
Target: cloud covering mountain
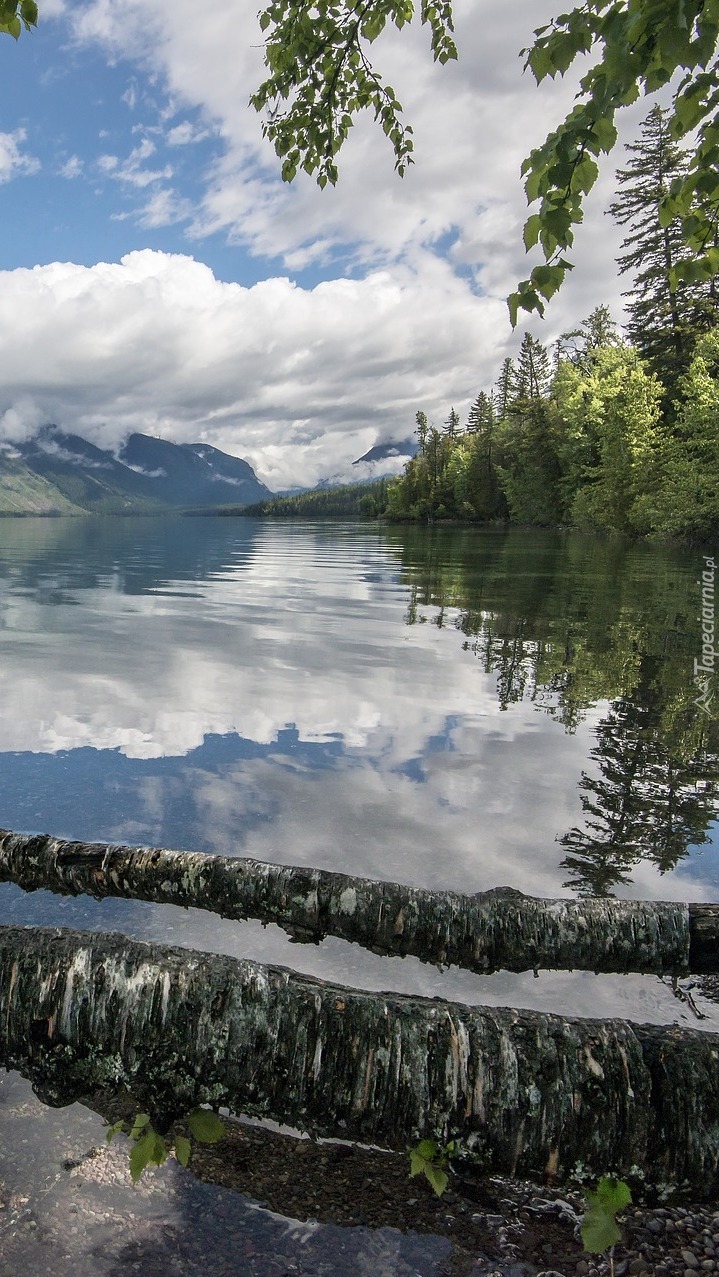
x=57, y=472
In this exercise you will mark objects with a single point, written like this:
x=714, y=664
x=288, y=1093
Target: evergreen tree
x=533, y=373
x=608, y=421
x=505, y=389
x=529, y=468
x=477, y=484
x=580, y=346
x=686, y=500
x=451, y=425
x=422, y=429
x=663, y=320
x=644, y=803
x=481, y=414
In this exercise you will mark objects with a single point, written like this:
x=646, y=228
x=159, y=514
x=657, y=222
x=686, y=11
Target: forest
x=604, y=431
x=346, y=501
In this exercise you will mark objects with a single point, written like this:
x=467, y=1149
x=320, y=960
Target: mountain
x=383, y=461
x=24, y=492
x=405, y=449
x=148, y=475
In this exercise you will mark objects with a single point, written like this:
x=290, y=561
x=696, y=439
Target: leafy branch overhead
x=321, y=77
x=14, y=16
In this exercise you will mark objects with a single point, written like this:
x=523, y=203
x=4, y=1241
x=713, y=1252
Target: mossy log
x=501, y=929
x=81, y=1011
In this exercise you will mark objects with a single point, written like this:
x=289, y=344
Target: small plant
x=599, y=1228
x=152, y=1149
x=430, y=1159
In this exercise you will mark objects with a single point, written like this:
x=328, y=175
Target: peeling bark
x=81, y=1011
x=493, y=930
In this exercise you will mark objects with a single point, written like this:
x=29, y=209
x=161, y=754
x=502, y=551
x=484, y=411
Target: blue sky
x=156, y=274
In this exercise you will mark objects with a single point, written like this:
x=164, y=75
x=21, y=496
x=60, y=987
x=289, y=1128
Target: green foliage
x=637, y=46
x=205, y=1126
x=15, y=15
x=665, y=314
x=685, y=499
x=608, y=425
x=152, y=1149
x=599, y=1226
x=321, y=77
x=431, y=1159
x=346, y=501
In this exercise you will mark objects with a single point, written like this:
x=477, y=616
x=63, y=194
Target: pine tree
x=478, y=486
x=533, y=373
x=505, y=389
x=529, y=468
x=580, y=346
x=422, y=430
x=663, y=320
x=481, y=414
x=451, y=425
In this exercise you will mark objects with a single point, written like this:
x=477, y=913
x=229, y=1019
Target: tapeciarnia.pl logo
x=704, y=668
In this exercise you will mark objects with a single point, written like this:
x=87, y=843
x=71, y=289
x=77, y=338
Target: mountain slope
x=192, y=474
x=24, y=492
x=148, y=475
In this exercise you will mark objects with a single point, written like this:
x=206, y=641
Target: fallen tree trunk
x=489, y=931
x=538, y=1092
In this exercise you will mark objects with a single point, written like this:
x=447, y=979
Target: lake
x=446, y=707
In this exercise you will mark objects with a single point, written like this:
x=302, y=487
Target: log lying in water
x=80, y=1011
x=493, y=930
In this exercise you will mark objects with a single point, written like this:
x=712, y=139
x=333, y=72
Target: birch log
x=489, y=931
x=81, y=1011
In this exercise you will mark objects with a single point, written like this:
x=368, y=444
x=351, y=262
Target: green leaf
x=426, y=1159
x=427, y=1149
x=437, y=1177
x=605, y=133
x=112, y=1131
x=613, y=1193
x=183, y=1148
x=548, y=280
x=206, y=1126
x=150, y=1150
x=599, y=1227
x=599, y=1231
x=531, y=230
x=141, y=1121
x=29, y=12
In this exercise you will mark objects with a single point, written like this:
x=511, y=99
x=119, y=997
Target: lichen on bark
x=483, y=932
x=537, y=1092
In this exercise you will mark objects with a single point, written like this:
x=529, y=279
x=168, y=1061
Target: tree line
x=611, y=433
x=345, y=501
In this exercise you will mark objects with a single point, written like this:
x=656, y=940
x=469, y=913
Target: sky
x=156, y=274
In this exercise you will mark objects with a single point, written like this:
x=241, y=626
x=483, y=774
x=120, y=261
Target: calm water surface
x=445, y=707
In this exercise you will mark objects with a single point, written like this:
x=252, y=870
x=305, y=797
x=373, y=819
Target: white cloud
x=73, y=167
x=474, y=122
x=13, y=162
x=130, y=170
x=299, y=381
x=164, y=208
x=186, y=133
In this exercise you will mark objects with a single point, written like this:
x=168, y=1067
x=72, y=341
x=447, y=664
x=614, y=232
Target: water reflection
x=438, y=706
x=569, y=623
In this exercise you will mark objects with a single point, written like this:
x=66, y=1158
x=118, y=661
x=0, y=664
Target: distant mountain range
x=61, y=473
